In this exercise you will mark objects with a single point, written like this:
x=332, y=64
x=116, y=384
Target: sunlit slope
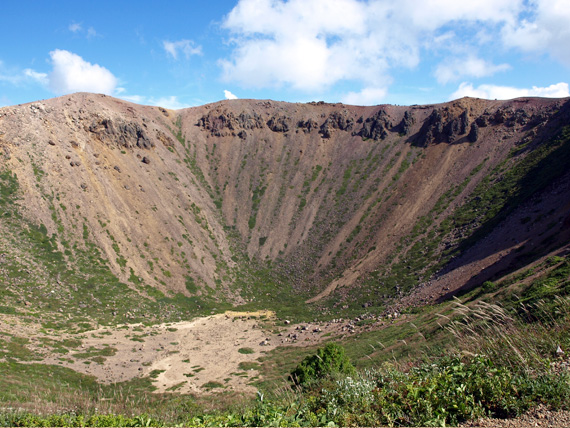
x=273, y=204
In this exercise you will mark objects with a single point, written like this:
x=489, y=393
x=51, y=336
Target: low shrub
x=328, y=360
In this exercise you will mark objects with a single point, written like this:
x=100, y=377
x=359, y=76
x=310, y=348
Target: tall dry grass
x=528, y=338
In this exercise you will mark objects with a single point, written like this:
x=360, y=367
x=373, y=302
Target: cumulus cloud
x=186, y=47
x=545, y=30
x=457, y=68
x=559, y=90
x=310, y=45
x=71, y=73
x=229, y=96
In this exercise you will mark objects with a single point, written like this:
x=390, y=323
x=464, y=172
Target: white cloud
x=368, y=96
x=311, y=45
x=559, y=90
x=433, y=14
x=18, y=77
x=457, y=68
x=75, y=27
x=71, y=73
x=187, y=47
x=41, y=78
x=229, y=96
x=547, y=29
x=305, y=44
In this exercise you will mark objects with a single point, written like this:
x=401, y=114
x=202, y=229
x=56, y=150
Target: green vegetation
x=515, y=368
x=426, y=366
x=328, y=361
x=86, y=290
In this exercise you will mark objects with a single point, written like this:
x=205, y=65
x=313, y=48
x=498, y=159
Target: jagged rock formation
x=443, y=126
x=336, y=120
x=122, y=134
x=263, y=201
x=308, y=125
x=377, y=126
x=217, y=122
x=405, y=126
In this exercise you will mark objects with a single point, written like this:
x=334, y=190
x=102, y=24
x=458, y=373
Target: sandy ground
x=198, y=356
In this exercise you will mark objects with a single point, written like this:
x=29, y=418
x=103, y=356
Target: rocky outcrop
x=456, y=127
x=122, y=134
x=376, y=127
x=336, y=120
x=226, y=123
x=307, y=125
x=432, y=129
x=278, y=123
x=405, y=125
x=483, y=120
x=473, y=132
x=443, y=126
x=512, y=118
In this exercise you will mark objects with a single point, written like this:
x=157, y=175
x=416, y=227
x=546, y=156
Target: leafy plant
x=328, y=360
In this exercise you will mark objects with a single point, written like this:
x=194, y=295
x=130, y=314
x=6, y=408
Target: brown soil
x=182, y=356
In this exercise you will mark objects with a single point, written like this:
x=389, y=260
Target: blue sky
x=186, y=53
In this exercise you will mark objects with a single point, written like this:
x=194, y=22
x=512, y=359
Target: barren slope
x=271, y=203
